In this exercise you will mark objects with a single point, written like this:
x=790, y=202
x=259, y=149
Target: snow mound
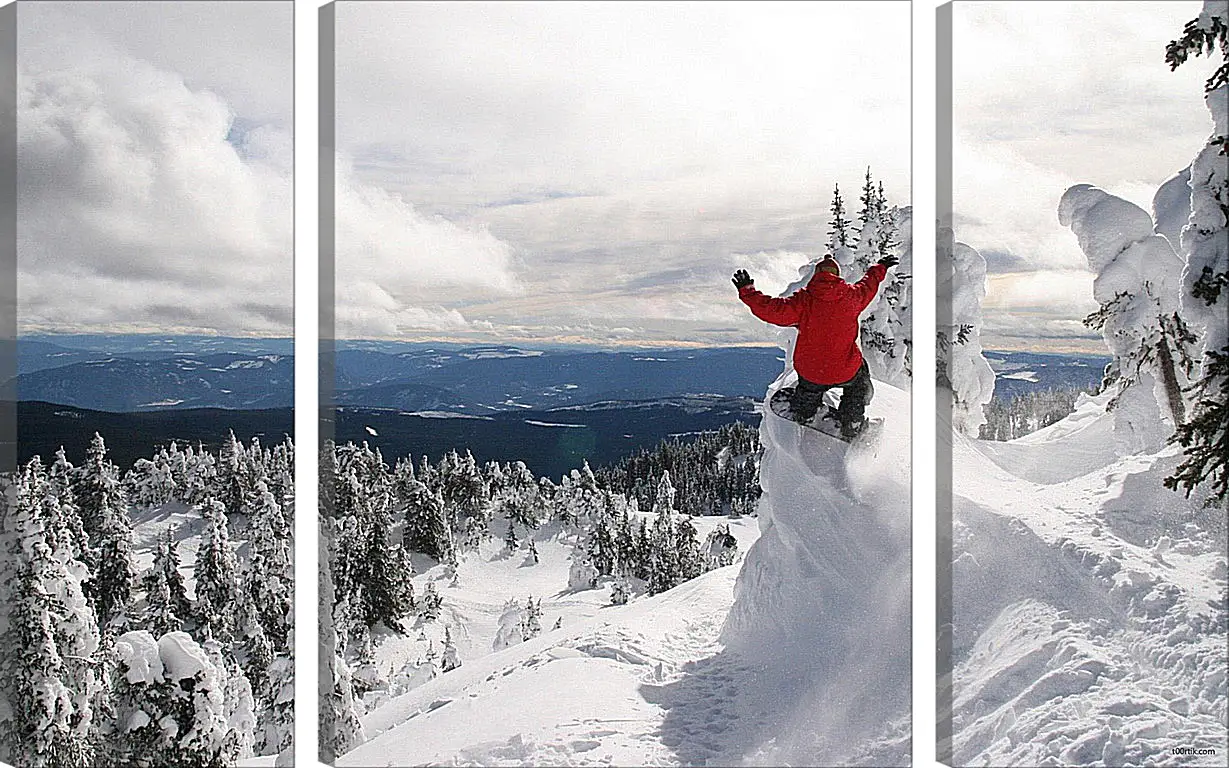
x=826, y=588
x=1171, y=206
x=1089, y=605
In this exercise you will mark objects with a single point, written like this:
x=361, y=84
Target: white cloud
x=139, y=206
x=1069, y=289
x=624, y=153
x=1048, y=95
x=366, y=310
x=381, y=236
x=394, y=264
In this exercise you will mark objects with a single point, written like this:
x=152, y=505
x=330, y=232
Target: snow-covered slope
x=1089, y=612
x=809, y=664
x=601, y=688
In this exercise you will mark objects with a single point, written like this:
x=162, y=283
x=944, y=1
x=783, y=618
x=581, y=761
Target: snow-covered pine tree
x=887, y=322
x=961, y=370
x=838, y=225
x=276, y=731
x=104, y=516
x=533, y=618
x=601, y=549
x=40, y=730
x=170, y=703
x=620, y=592
x=150, y=483
x=384, y=570
x=511, y=542
x=466, y=501
x=1204, y=434
x=160, y=615
x=720, y=548
x=340, y=727
x=431, y=603
x=1138, y=292
x=167, y=559
x=251, y=646
x=687, y=544
x=60, y=479
x=870, y=219
x=518, y=498
x=281, y=479
x=231, y=480
x=581, y=503
x=426, y=528
x=518, y=623
x=582, y=574
x=48, y=675
x=663, y=566
x=199, y=473
x=239, y=705
x=216, y=574
x=271, y=574
x=449, y=659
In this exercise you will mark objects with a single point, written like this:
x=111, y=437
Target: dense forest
x=628, y=526
x=1028, y=412
x=117, y=656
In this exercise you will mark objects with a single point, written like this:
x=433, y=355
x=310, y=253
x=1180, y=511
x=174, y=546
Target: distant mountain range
x=1016, y=373
x=136, y=374
x=547, y=407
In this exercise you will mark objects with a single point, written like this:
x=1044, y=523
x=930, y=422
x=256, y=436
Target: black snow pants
x=855, y=396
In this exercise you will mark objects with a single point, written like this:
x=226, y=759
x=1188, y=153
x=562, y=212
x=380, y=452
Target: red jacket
x=825, y=313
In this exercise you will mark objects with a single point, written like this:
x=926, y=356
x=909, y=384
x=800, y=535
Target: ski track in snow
x=1089, y=605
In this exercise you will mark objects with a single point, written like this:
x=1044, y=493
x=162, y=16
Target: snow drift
x=822, y=602
x=1089, y=604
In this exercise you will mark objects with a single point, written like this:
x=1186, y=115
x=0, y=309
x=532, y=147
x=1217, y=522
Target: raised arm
x=864, y=290
x=784, y=312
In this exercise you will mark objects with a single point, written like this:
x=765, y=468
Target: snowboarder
x=826, y=354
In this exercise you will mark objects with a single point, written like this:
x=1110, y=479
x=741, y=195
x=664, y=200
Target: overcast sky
x=154, y=167
x=595, y=172
x=1048, y=95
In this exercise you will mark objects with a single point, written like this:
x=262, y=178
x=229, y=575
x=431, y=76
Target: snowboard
x=824, y=421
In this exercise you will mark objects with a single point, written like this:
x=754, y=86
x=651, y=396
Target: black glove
x=889, y=261
x=741, y=278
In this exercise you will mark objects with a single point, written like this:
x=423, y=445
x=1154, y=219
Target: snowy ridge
x=826, y=588
x=1090, y=604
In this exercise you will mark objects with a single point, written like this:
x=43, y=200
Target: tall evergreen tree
x=60, y=480
x=838, y=227
x=216, y=573
x=104, y=515
x=339, y=724
x=384, y=576
x=48, y=673
x=161, y=615
x=271, y=574
x=426, y=527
